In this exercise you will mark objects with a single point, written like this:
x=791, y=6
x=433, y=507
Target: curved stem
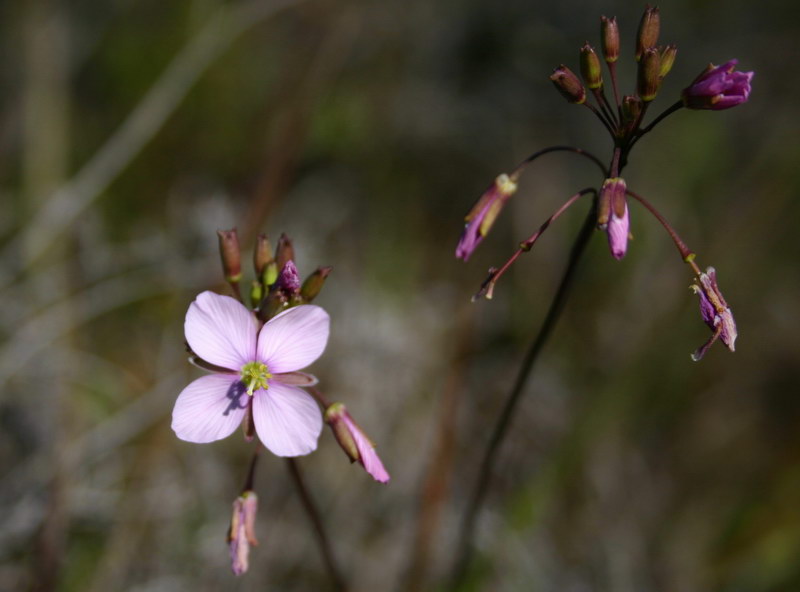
x=464, y=551
x=487, y=288
x=337, y=582
x=521, y=167
x=686, y=253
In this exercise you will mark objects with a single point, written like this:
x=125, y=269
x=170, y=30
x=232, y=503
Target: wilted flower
x=613, y=215
x=355, y=442
x=242, y=531
x=718, y=87
x=715, y=312
x=255, y=369
x=483, y=214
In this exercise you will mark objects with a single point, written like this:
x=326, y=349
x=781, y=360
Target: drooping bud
x=230, y=255
x=284, y=252
x=612, y=215
x=649, y=79
x=609, y=35
x=631, y=109
x=718, y=87
x=649, y=27
x=667, y=59
x=241, y=534
x=483, y=214
x=590, y=67
x=355, y=442
x=313, y=283
x=715, y=313
x=568, y=85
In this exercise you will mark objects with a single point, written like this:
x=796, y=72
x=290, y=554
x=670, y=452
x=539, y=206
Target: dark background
x=131, y=130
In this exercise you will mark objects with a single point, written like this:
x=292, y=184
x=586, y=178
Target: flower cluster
x=716, y=88
x=255, y=360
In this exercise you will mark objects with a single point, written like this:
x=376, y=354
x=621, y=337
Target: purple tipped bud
x=612, y=215
x=230, y=254
x=313, y=284
x=284, y=252
x=667, y=59
x=288, y=280
x=649, y=79
x=355, y=442
x=718, y=87
x=715, y=313
x=242, y=531
x=649, y=27
x=609, y=34
x=483, y=214
x=568, y=85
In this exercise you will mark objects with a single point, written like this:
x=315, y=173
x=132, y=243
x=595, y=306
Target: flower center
x=255, y=375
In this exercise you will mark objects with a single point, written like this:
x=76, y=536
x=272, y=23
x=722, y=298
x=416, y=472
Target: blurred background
x=130, y=131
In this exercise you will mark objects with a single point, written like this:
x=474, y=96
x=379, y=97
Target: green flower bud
x=590, y=67
x=649, y=79
x=667, y=59
x=313, y=283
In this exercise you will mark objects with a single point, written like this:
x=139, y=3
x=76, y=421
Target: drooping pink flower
x=613, y=216
x=355, y=442
x=241, y=535
x=257, y=369
x=483, y=214
x=718, y=87
x=715, y=312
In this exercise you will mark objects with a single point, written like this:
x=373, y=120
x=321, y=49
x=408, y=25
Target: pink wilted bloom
x=613, y=215
x=255, y=369
x=355, y=442
x=483, y=214
x=718, y=87
x=242, y=531
x=715, y=313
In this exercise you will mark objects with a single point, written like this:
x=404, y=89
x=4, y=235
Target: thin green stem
x=464, y=540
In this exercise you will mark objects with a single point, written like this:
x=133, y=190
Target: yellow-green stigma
x=255, y=375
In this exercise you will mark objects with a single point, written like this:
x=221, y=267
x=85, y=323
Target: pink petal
x=369, y=458
x=221, y=330
x=296, y=379
x=288, y=420
x=294, y=338
x=209, y=409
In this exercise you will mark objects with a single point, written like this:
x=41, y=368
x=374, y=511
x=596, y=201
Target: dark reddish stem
x=521, y=167
x=487, y=287
x=686, y=253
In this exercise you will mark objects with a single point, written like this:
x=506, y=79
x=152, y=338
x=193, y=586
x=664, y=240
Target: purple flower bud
x=612, y=215
x=355, y=442
x=718, y=87
x=715, y=313
x=288, y=281
x=483, y=214
x=242, y=532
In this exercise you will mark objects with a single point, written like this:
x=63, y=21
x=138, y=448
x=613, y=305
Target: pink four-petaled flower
x=256, y=367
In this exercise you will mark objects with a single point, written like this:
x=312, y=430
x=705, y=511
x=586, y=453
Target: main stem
x=464, y=551
x=325, y=548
